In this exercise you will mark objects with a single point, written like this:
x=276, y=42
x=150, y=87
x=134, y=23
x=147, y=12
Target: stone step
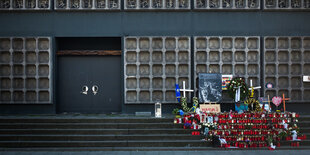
x=89, y=125
x=121, y=143
x=168, y=149
x=303, y=124
x=107, y=133
x=98, y=137
x=95, y=131
x=87, y=120
x=304, y=118
x=302, y=143
x=304, y=130
x=150, y=143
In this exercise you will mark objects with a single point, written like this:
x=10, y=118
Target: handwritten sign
x=212, y=108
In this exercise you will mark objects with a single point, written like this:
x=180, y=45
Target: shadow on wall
x=88, y=43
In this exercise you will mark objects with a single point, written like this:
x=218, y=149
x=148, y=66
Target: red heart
x=277, y=100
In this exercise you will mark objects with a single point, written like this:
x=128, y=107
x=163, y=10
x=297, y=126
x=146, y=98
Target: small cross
x=253, y=88
x=185, y=90
x=284, y=99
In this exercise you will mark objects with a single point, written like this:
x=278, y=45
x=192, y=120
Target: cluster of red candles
x=195, y=133
x=248, y=145
x=246, y=129
x=244, y=132
x=303, y=137
x=296, y=144
x=255, y=115
x=231, y=118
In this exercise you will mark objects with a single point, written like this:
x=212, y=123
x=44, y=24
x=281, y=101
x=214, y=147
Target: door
x=89, y=84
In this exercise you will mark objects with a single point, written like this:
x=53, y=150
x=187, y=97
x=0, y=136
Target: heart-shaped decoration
x=277, y=100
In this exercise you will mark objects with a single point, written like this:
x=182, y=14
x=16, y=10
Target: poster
x=225, y=81
x=210, y=88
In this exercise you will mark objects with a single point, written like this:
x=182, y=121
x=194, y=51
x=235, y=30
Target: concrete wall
x=122, y=23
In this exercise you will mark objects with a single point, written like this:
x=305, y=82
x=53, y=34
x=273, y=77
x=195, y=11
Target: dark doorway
x=88, y=77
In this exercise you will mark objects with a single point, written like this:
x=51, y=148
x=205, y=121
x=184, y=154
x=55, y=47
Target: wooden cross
x=284, y=99
x=185, y=90
x=253, y=88
x=269, y=103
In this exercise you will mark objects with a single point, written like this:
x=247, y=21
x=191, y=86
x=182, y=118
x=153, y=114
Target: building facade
x=102, y=56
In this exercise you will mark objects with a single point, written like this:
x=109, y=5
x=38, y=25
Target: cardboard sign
x=306, y=78
x=212, y=108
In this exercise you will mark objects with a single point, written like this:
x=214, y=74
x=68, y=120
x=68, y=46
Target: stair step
x=169, y=149
x=150, y=143
x=302, y=143
x=88, y=125
x=304, y=118
x=96, y=131
x=86, y=120
x=304, y=130
x=98, y=137
x=303, y=124
x=110, y=133
x=124, y=143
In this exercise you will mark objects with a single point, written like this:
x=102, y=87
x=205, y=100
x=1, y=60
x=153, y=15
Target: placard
x=212, y=108
x=306, y=78
x=225, y=81
x=210, y=87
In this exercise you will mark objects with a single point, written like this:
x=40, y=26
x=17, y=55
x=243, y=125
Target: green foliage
x=175, y=111
x=195, y=104
x=253, y=104
x=184, y=104
x=269, y=139
x=233, y=87
x=282, y=135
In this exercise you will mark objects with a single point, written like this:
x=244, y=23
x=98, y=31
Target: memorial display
x=237, y=56
x=245, y=130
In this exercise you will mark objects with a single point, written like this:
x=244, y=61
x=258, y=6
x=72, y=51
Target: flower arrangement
x=233, y=87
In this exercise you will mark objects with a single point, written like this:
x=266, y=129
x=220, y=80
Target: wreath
x=233, y=87
x=184, y=104
x=186, y=108
x=253, y=104
x=195, y=104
